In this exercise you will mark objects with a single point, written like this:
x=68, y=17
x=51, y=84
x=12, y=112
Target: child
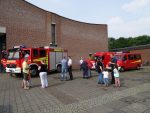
x=29, y=81
x=116, y=75
x=106, y=77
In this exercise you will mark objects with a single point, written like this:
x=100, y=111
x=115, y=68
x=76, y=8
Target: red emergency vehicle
x=16, y=56
x=127, y=61
x=106, y=58
x=3, y=59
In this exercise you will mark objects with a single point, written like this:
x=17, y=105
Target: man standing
x=64, y=69
x=99, y=67
x=81, y=61
x=112, y=65
x=25, y=67
x=70, y=67
x=43, y=74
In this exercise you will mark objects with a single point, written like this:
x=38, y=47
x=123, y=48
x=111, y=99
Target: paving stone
x=100, y=109
x=135, y=107
x=127, y=110
x=77, y=96
x=146, y=111
x=129, y=99
x=61, y=96
x=118, y=111
x=21, y=111
x=145, y=94
x=116, y=104
x=147, y=101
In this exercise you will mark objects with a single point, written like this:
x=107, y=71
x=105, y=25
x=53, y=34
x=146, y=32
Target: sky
x=125, y=18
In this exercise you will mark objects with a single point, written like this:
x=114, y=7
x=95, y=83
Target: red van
x=127, y=61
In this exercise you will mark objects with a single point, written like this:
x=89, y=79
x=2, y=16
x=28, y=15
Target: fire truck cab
x=106, y=58
x=52, y=56
x=127, y=61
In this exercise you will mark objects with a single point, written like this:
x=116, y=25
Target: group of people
x=66, y=66
x=103, y=72
x=103, y=77
x=26, y=83
x=86, y=66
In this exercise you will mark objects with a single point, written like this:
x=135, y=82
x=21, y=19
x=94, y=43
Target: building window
x=53, y=33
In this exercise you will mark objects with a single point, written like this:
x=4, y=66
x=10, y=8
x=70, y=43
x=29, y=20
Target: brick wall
x=82, y=39
x=31, y=26
x=23, y=23
x=145, y=53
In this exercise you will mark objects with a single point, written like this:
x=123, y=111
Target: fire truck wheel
x=34, y=72
x=138, y=67
x=59, y=68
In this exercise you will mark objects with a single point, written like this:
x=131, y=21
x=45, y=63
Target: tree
x=128, y=42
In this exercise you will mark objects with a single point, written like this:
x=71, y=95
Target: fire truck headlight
x=18, y=70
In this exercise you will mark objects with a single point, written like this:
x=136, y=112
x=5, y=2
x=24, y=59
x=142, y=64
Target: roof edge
x=62, y=16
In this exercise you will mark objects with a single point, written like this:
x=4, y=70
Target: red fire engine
x=127, y=61
x=106, y=58
x=16, y=56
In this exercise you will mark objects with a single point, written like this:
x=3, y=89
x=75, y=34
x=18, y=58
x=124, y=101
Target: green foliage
x=128, y=42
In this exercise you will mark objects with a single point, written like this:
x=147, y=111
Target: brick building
x=24, y=23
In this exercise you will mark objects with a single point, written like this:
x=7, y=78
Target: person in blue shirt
x=64, y=69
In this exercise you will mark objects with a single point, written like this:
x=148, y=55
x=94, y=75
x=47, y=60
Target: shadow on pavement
x=6, y=109
x=57, y=84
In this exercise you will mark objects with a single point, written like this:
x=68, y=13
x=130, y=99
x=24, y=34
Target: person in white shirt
x=70, y=67
x=106, y=77
x=81, y=61
x=116, y=75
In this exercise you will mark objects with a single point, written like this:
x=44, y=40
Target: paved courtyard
x=77, y=96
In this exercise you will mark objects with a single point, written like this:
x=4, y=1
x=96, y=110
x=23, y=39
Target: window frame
x=37, y=54
x=40, y=54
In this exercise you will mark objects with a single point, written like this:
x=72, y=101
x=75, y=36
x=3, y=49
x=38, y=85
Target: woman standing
x=43, y=74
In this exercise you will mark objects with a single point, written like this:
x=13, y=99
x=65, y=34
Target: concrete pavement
x=77, y=96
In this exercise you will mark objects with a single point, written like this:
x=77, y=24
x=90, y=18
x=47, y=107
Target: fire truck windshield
x=4, y=54
x=12, y=55
x=119, y=57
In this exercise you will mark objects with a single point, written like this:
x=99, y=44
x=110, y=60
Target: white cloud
x=127, y=29
x=115, y=20
x=135, y=5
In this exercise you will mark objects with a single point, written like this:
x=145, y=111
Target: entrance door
x=2, y=43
